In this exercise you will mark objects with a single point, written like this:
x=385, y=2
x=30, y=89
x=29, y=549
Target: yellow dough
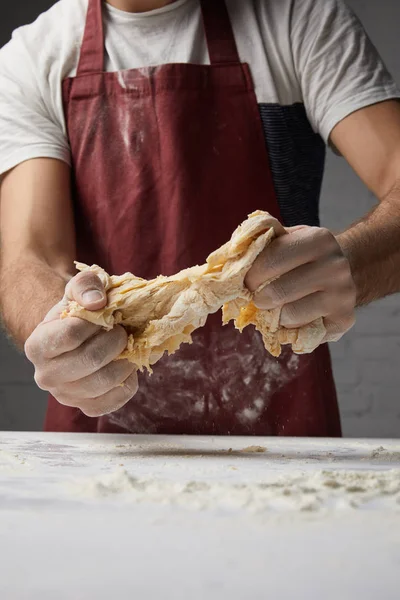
x=161, y=314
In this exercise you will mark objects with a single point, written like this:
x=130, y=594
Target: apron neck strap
x=218, y=28
x=91, y=59
x=219, y=33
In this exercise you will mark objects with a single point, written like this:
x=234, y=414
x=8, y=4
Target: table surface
x=87, y=516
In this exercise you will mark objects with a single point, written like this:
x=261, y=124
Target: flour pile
x=304, y=492
x=382, y=454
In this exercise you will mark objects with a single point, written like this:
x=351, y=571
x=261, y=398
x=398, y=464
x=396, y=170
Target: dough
x=161, y=314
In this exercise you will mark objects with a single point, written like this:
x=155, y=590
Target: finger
x=60, y=337
x=293, y=286
x=101, y=382
x=94, y=354
x=305, y=311
x=55, y=338
x=337, y=316
x=107, y=403
x=337, y=327
x=87, y=289
x=289, y=252
x=331, y=274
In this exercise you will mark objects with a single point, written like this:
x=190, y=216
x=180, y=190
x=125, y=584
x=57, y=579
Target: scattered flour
x=305, y=492
x=382, y=453
x=11, y=461
x=253, y=449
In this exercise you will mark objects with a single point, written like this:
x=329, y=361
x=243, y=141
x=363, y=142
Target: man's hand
x=312, y=279
x=74, y=359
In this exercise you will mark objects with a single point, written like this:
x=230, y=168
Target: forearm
x=29, y=287
x=37, y=243
x=373, y=248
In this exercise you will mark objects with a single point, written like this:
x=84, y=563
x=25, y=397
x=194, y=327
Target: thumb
x=87, y=290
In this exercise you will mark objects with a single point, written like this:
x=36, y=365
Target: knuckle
x=340, y=276
x=271, y=264
x=39, y=380
x=276, y=293
x=110, y=377
x=30, y=349
x=117, y=340
x=319, y=233
x=121, y=336
x=82, y=283
x=352, y=290
x=325, y=239
x=326, y=302
x=334, y=337
x=290, y=316
x=349, y=321
x=105, y=380
x=341, y=324
x=74, y=332
x=104, y=347
x=101, y=384
x=342, y=268
x=266, y=265
x=86, y=279
x=66, y=400
x=43, y=380
x=97, y=351
x=324, y=233
x=101, y=408
x=349, y=301
x=96, y=355
x=36, y=345
x=130, y=386
x=91, y=411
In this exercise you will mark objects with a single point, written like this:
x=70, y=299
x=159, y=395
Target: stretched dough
x=161, y=314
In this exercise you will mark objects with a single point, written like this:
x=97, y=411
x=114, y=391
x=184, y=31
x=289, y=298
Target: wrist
x=350, y=251
x=29, y=289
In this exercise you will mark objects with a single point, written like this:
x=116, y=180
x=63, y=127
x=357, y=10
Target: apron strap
x=219, y=33
x=91, y=59
x=217, y=24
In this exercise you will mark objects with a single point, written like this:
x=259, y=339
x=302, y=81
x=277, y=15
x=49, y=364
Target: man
x=176, y=119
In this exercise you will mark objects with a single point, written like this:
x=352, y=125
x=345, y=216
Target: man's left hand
x=312, y=279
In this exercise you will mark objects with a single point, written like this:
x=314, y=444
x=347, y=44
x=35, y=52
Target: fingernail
x=92, y=296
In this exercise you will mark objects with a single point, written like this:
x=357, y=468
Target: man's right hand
x=74, y=359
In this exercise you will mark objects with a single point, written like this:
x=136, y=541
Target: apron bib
x=167, y=162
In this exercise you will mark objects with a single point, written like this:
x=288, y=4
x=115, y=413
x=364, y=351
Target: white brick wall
x=367, y=375
x=366, y=362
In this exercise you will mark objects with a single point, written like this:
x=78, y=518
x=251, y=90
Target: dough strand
x=161, y=314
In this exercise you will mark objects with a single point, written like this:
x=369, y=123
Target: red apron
x=167, y=161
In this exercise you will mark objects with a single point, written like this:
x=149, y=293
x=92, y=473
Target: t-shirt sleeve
x=338, y=67
x=28, y=129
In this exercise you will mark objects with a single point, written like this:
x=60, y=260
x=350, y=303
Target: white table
x=136, y=517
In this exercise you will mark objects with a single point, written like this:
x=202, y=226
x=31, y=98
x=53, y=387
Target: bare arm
x=37, y=243
x=73, y=359
x=318, y=274
x=370, y=141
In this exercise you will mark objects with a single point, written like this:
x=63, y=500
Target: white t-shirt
x=312, y=52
